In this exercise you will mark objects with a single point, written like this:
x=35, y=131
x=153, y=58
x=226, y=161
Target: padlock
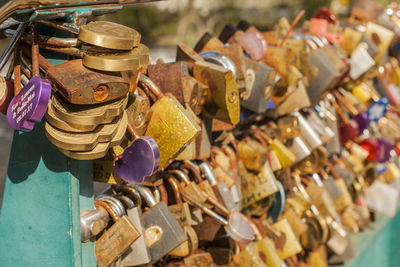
x=381, y=36
x=80, y=85
x=307, y=132
x=110, y=60
x=328, y=73
x=109, y=35
x=93, y=222
x=169, y=115
x=138, y=161
x=297, y=99
x=319, y=124
x=348, y=129
x=138, y=252
x=189, y=186
x=116, y=239
x=234, y=52
x=338, y=241
x=276, y=57
x=29, y=105
x=291, y=246
x=200, y=147
x=252, y=154
x=6, y=94
x=100, y=149
x=261, y=81
x=297, y=224
x=162, y=232
x=184, y=53
x=182, y=214
x=360, y=61
x=299, y=148
x=218, y=58
x=223, y=96
x=80, y=115
x=87, y=140
x=174, y=78
x=202, y=259
x=249, y=257
x=180, y=210
x=236, y=224
x=139, y=113
x=351, y=39
x=256, y=187
x=220, y=188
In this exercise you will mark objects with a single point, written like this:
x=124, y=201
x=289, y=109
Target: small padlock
x=162, y=232
x=180, y=209
x=138, y=252
x=116, y=239
x=222, y=100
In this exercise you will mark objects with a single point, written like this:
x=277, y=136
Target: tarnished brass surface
x=115, y=241
x=84, y=141
x=223, y=100
x=87, y=115
x=100, y=150
x=171, y=127
x=109, y=35
x=117, y=61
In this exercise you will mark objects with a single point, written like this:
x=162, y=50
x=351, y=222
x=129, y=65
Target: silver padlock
x=162, y=232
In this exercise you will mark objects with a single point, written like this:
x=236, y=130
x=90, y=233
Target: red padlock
x=6, y=94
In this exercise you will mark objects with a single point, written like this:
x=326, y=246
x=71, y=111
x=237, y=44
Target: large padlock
x=169, y=115
x=80, y=85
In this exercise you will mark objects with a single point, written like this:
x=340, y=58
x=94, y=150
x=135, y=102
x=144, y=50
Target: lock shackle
x=339, y=111
x=193, y=168
x=349, y=107
x=156, y=194
x=220, y=59
x=151, y=86
x=228, y=150
x=102, y=204
x=131, y=192
x=203, y=208
x=175, y=189
x=146, y=194
x=126, y=201
x=114, y=203
x=259, y=134
x=35, y=53
x=208, y=173
x=163, y=193
x=181, y=175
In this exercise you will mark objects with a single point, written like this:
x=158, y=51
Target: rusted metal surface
x=168, y=77
x=80, y=85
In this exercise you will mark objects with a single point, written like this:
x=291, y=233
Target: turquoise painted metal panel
x=378, y=245
x=43, y=194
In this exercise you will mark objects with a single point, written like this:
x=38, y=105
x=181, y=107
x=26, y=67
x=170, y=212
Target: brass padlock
x=109, y=35
x=169, y=115
x=116, y=239
x=222, y=97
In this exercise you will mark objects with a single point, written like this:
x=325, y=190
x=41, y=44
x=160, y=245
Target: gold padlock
x=222, y=101
x=168, y=116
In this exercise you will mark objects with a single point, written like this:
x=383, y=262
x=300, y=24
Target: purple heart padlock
x=362, y=121
x=30, y=105
x=140, y=160
x=384, y=148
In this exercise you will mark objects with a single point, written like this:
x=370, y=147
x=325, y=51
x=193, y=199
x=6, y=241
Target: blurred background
x=165, y=24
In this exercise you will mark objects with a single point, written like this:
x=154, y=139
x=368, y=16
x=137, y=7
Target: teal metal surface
x=43, y=195
x=378, y=245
